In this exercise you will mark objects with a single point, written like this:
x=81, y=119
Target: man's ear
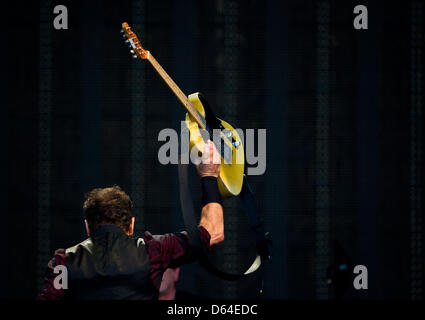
x=131, y=228
x=87, y=227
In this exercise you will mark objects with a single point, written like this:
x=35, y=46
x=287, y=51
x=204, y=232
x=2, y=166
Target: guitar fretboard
x=177, y=91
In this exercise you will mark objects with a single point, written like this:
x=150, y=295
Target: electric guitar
x=200, y=116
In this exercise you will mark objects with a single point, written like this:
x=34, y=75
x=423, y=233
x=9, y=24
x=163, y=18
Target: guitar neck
x=176, y=90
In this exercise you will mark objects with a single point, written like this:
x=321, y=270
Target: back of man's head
x=108, y=206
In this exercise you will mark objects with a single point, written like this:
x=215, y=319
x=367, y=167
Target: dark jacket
x=109, y=265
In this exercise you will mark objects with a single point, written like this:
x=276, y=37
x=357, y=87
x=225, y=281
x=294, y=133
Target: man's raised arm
x=212, y=211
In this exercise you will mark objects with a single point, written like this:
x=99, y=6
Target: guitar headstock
x=133, y=42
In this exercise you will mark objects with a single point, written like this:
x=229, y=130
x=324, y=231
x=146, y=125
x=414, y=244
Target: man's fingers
x=206, y=153
x=216, y=155
x=211, y=151
x=210, y=154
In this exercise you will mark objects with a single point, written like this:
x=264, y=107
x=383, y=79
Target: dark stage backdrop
x=343, y=110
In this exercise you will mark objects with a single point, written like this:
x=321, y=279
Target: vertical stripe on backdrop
x=44, y=139
x=322, y=151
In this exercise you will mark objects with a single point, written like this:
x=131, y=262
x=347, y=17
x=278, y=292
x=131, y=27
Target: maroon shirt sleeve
x=49, y=292
x=170, y=251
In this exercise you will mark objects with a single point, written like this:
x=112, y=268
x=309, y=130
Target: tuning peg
x=132, y=51
x=122, y=31
x=127, y=41
x=134, y=56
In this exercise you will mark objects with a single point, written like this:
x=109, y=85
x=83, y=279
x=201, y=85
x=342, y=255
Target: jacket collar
x=106, y=228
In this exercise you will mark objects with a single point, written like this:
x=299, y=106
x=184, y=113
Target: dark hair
x=108, y=206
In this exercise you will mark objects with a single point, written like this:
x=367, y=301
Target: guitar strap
x=263, y=239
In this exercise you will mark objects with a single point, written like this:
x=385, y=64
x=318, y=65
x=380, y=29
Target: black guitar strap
x=263, y=239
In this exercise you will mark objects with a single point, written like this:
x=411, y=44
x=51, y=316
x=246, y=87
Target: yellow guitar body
x=231, y=174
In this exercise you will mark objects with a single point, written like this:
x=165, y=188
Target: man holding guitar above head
x=112, y=264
